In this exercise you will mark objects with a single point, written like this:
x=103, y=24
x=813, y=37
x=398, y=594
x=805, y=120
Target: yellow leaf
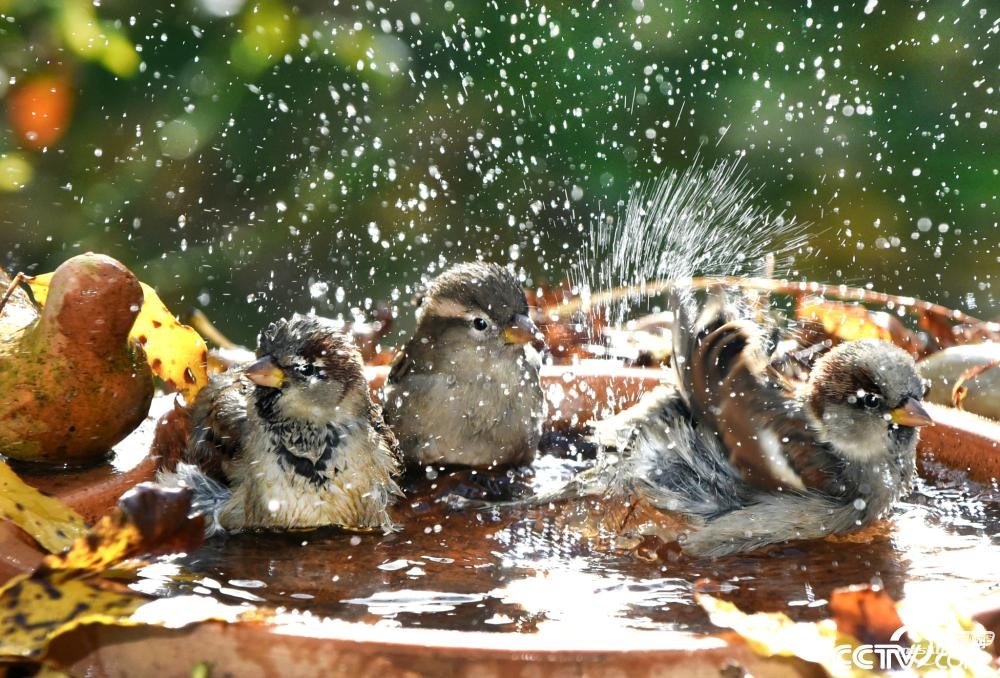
x=52, y=524
x=119, y=55
x=34, y=609
x=946, y=632
x=772, y=634
x=176, y=353
x=93, y=39
x=845, y=321
x=110, y=541
x=775, y=634
x=149, y=519
x=66, y=590
x=16, y=172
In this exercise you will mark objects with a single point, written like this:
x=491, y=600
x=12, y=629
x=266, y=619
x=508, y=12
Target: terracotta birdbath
x=540, y=592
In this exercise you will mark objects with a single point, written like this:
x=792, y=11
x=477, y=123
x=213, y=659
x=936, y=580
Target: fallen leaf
x=176, y=353
x=935, y=641
x=49, y=521
x=149, y=520
x=946, y=635
x=867, y=613
x=66, y=591
x=771, y=634
x=36, y=608
x=845, y=321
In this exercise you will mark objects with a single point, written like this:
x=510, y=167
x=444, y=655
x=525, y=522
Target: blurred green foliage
x=255, y=158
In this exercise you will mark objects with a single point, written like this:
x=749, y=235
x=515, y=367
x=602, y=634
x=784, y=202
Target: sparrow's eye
x=479, y=324
x=306, y=370
x=872, y=401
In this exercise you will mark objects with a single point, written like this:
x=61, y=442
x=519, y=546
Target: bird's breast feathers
x=344, y=481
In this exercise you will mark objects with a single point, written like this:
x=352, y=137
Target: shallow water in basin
x=558, y=571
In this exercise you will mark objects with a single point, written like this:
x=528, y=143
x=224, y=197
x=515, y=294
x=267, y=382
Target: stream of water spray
x=694, y=222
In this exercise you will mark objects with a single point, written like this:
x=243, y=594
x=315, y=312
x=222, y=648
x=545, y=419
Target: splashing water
x=688, y=223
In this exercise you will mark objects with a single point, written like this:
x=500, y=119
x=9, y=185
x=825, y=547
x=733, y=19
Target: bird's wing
x=408, y=361
x=768, y=435
x=399, y=367
x=218, y=420
x=690, y=331
x=382, y=429
x=706, y=349
x=724, y=376
x=416, y=357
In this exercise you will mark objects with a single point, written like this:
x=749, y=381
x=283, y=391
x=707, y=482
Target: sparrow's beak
x=911, y=414
x=266, y=373
x=521, y=330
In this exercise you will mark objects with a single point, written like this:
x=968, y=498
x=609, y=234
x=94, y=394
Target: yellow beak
x=521, y=330
x=266, y=373
x=911, y=414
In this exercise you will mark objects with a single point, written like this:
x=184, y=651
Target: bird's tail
x=209, y=494
x=771, y=520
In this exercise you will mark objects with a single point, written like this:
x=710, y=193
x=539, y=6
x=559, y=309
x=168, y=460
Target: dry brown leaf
x=867, y=613
x=149, y=520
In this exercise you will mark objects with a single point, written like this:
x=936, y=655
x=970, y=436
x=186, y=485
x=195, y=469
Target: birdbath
x=547, y=590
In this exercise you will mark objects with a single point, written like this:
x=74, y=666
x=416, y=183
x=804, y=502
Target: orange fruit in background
x=39, y=110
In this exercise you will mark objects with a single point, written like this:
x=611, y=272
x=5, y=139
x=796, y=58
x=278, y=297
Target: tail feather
x=209, y=494
x=771, y=520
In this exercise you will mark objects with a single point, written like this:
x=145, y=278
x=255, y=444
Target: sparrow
x=465, y=389
x=749, y=459
x=293, y=440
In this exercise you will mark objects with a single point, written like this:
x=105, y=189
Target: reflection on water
x=535, y=572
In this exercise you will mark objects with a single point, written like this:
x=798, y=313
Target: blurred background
x=254, y=158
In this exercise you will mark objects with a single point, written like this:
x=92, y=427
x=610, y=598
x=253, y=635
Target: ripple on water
x=550, y=571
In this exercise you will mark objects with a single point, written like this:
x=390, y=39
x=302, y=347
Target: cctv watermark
x=901, y=654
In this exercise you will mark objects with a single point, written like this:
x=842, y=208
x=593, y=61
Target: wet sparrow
x=293, y=440
x=751, y=460
x=465, y=388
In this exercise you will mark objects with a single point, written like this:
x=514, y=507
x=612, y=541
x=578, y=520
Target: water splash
x=695, y=222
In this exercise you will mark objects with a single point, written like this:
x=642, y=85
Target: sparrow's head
x=308, y=370
x=866, y=397
x=478, y=306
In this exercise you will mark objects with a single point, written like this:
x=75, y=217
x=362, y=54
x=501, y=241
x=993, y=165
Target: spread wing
x=218, y=420
x=725, y=378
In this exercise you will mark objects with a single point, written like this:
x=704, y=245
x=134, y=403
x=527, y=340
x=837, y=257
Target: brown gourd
x=72, y=383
